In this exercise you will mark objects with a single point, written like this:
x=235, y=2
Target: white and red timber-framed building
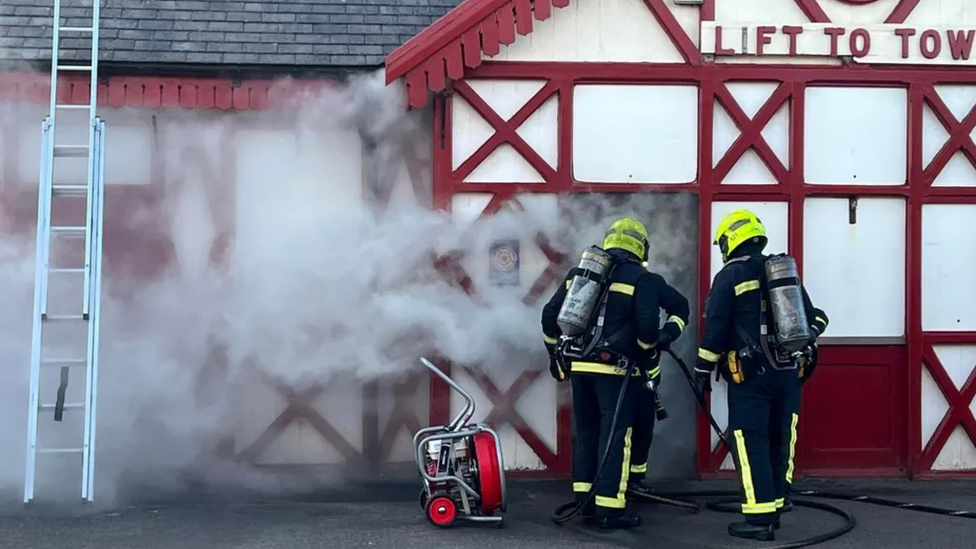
x=847, y=125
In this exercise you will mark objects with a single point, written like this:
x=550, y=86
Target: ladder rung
x=66, y=406
x=75, y=29
x=64, y=362
x=71, y=151
x=64, y=318
x=67, y=229
x=66, y=270
x=70, y=190
x=77, y=68
x=70, y=107
x=60, y=450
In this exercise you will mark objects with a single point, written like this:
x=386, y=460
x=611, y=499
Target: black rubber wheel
x=423, y=498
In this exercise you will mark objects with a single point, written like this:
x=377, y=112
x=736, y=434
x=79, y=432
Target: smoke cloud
x=220, y=282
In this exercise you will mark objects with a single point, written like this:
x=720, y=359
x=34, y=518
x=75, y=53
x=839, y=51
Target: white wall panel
x=635, y=133
x=855, y=136
x=856, y=272
x=597, y=31
x=948, y=260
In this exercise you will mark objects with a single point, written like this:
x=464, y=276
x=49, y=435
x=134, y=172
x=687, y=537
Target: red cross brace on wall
x=958, y=413
x=503, y=410
x=403, y=415
x=960, y=138
x=505, y=131
x=299, y=407
x=751, y=133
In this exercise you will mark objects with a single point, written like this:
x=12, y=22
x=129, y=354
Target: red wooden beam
x=403, y=415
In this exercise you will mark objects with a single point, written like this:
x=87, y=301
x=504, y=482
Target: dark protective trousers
x=644, y=418
x=763, y=415
x=594, y=400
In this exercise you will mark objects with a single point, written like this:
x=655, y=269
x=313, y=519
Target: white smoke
x=330, y=289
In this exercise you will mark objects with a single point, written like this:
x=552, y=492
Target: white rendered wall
x=622, y=31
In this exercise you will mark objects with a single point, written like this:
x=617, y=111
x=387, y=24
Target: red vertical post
x=913, y=276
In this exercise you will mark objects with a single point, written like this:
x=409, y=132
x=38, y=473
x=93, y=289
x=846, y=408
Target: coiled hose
x=727, y=501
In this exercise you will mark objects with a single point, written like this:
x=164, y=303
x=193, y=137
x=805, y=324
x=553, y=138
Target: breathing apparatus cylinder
x=786, y=303
x=584, y=292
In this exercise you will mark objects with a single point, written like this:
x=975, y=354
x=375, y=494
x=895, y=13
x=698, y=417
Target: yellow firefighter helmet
x=627, y=234
x=735, y=228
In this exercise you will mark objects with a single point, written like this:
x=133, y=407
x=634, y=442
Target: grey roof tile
x=340, y=33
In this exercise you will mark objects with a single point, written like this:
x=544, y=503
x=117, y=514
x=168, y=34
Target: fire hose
x=726, y=501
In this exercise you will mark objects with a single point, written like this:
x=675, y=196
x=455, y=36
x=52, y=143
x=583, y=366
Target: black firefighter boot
x=618, y=521
x=760, y=532
x=588, y=512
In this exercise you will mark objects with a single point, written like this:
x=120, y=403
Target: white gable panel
x=597, y=31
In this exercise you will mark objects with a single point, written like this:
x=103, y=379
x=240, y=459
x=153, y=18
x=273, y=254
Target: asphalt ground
x=389, y=516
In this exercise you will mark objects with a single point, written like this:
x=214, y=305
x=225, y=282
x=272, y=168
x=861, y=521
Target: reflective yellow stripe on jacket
x=599, y=368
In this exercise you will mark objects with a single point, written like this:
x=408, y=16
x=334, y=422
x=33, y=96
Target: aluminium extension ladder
x=50, y=190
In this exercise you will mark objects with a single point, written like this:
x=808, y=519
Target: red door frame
x=791, y=187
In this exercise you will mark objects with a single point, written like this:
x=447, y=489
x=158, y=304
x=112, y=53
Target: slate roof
x=323, y=33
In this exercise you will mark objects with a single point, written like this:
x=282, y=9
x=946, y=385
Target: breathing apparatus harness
x=727, y=500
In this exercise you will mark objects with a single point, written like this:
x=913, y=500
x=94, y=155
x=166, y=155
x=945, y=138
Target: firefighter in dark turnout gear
x=675, y=305
x=630, y=333
x=763, y=382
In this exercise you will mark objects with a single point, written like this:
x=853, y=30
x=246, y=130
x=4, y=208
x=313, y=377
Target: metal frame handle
x=468, y=411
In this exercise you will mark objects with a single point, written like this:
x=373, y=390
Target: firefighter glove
x=664, y=341
x=703, y=381
x=555, y=371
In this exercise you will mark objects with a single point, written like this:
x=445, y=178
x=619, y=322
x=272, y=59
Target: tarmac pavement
x=389, y=517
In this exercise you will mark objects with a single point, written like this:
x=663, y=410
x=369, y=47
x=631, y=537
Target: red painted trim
x=913, y=275
x=456, y=42
x=158, y=92
x=707, y=11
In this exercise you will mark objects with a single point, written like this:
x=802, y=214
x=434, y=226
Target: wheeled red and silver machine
x=461, y=466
